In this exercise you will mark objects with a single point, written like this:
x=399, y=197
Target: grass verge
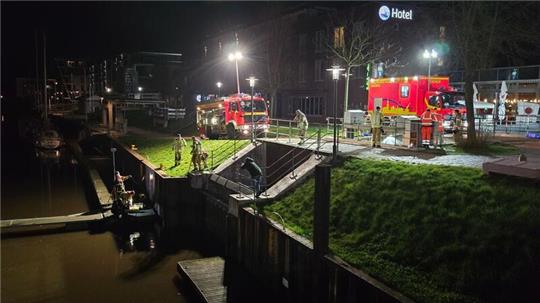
x=160, y=151
x=435, y=233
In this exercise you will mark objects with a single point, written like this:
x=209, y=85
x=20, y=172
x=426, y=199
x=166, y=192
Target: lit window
x=339, y=37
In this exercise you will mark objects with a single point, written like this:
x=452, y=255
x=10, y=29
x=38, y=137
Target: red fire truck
x=232, y=116
x=401, y=96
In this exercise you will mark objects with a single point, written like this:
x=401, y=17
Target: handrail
x=307, y=147
x=224, y=151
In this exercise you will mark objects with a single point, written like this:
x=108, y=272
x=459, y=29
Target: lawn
x=435, y=233
x=160, y=151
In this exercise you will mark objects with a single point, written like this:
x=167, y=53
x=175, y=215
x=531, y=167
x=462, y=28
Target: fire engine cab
x=232, y=116
x=406, y=96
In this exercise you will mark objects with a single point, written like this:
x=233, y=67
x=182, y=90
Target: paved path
x=390, y=152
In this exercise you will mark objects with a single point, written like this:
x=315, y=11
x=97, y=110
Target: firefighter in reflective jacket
x=302, y=125
x=438, y=129
x=376, y=119
x=427, y=127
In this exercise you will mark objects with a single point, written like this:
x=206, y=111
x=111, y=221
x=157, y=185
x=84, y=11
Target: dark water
x=109, y=263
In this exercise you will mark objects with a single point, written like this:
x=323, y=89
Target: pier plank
x=206, y=275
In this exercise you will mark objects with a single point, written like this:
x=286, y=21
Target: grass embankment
x=437, y=234
x=160, y=151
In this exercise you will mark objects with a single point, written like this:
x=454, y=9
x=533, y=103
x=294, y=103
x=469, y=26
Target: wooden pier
x=66, y=220
x=206, y=277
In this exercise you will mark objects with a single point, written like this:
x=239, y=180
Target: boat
x=126, y=208
x=49, y=139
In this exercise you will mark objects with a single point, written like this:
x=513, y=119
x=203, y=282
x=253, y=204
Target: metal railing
x=500, y=73
x=223, y=152
x=292, y=156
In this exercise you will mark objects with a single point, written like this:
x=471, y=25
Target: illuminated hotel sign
x=386, y=13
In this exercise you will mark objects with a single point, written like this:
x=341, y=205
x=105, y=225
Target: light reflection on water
x=83, y=267
x=112, y=263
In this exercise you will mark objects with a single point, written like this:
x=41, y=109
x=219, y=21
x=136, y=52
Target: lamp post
x=336, y=69
x=252, y=85
x=113, y=150
x=428, y=55
x=219, y=85
x=235, y=57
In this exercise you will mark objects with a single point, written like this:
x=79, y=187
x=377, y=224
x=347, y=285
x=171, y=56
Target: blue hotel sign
x=386, y=13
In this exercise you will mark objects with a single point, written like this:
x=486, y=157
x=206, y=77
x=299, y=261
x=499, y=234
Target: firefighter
x=438, y=130
x=427, y=127
x=302, y=125
x=120, y=188
x=457, y=122
x=376, y=119
x=256, y=174
x=178, y=146
x=198, y=155
x=119, y=181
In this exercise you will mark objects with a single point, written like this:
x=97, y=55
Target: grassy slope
x=469, y=237
x=160, y=151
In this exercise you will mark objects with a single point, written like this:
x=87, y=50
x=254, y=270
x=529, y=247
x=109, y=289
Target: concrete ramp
x=293, y=178
x=239, y=155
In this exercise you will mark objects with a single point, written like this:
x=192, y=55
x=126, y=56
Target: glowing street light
x=108, y=89
x=235, y=57
x=140, y=89
x=429, y=56
x=336, y=69
x=252, y=85
x=219, y=85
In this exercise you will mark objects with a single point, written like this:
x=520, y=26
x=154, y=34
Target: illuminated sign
x=386, y=13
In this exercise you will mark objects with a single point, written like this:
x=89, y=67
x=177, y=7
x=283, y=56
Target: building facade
x=289, y=53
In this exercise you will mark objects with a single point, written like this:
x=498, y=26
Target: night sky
x=97, y=30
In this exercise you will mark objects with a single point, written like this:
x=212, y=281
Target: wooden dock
x=206, y=276
x=69, y=219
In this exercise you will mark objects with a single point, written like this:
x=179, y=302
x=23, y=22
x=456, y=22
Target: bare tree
x=481, y=33
x=356, y=43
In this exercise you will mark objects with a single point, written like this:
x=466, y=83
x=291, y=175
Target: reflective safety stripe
x=427, y=119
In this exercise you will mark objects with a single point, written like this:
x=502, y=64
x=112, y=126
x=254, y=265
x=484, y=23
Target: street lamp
x=235, y=57
x=252, y=85
x=336, y=69
x=140, y=88
x=108, y=89
x=428, y=55
x=219, y=85
x=113, y=150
